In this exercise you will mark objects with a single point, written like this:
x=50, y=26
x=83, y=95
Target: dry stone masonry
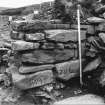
x=42, y=56
x=46, y=50
x=43, y=52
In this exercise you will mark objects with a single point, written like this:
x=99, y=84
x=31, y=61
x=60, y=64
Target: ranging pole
x=79, y=42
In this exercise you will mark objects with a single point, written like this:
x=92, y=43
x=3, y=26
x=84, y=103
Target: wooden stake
x=79, y=42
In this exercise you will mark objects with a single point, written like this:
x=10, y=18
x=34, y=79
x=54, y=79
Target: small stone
x=102, y=36
x=48, y=45
x=83, y=27
x=48, y=88
x=49, y=56
x=67, y=70
x=71, y=45
x=104, y=15
x=13, y=95
x=101, y=9
x=44, y=100
x=95, y=20
x=33, y=69
x=62, y=85
x=36, y=25
x=62, y=96
x=102, y=79
x=101, y=27
x=59, y=86
x=34, y=37
x=93, y=65
x=55, y=21
x=2, y=77
x=22, y=45
x=64, y=35
x=17, y=35
x=91, y=30
x=29, y=81
x=89, y=77
x=57, y=93
x=77, y=92
x=60, y=46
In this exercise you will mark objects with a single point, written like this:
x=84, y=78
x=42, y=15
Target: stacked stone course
x=43, y=53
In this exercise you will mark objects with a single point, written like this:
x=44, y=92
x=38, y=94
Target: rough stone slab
x=67, y=70
x=32, y=80
x=100, y=10
x=22, y=45
x=33, y=69
x=102, y=36
x=91, y=29
x=4, y=49
x=7, y=45
x=27, y=25
x=60, y=46
x=34, y=37
x=51, y=45
x=48, y=45
x=36, y=25
x=55, y=21
x=95, y=20
x=71, y=45
x=83, y=27
x=64, y=35
x=58, y=26
x=93, y=65
x=102, y=79
x=100, y=27
x=49, y=56
x=16, y=35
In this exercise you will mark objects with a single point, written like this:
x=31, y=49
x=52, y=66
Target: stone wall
x=44, y=51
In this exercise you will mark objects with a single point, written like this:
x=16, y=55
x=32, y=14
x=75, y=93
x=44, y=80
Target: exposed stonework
x=52, y=52
x=32, y=80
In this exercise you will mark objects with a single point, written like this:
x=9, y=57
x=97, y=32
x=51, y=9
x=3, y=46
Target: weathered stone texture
x=93, y=65
x=68, y=70
x=32, y=80
x=34, y=37
x=101, y=27
x=33, y=69
x=65, y=35
x=16, y=35
x=95, y=20
x=102, y=36
x=91, y=29
x=34, y=26
x=22, y=45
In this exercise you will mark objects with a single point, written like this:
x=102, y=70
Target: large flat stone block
x=68, y=70
x=34, y=37
x=65, y=35
x=22, y=45
x=17, y=36
x=88, y=99
x=32, y=80
x=33, y=69
x=49, y=56
x=95, y=20
x=35, y=25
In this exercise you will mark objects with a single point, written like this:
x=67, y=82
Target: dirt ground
x=72, y=94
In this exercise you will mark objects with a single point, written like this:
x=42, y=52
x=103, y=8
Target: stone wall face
x=46, y=50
